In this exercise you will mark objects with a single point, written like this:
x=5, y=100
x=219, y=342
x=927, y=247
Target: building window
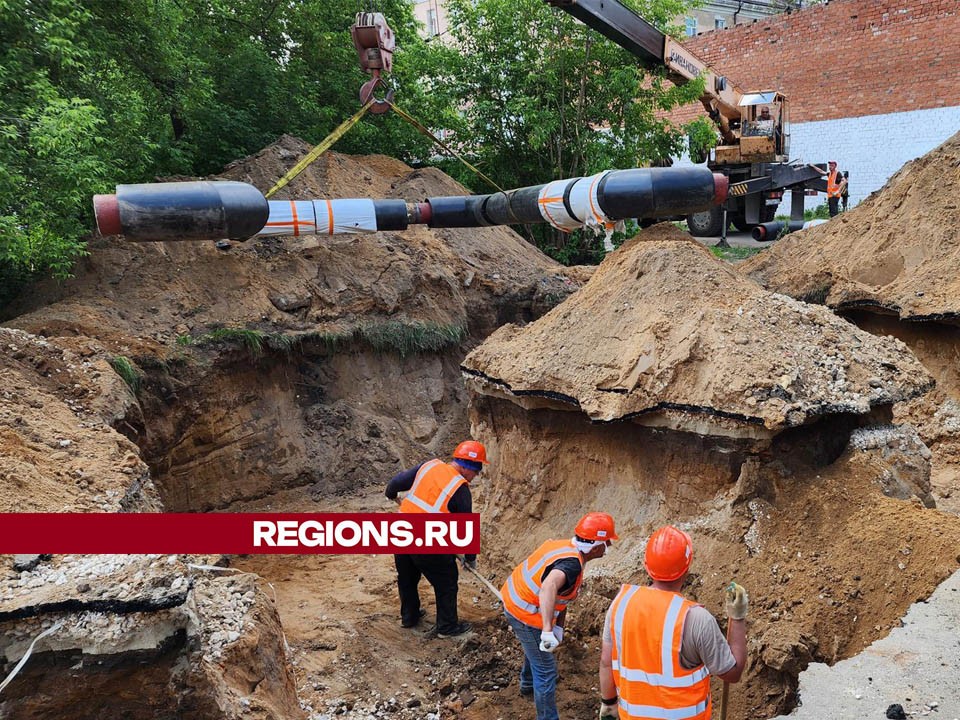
x=719, y=23
x=432, y=28
x=691, y=25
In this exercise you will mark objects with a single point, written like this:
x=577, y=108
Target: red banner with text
x=239, y=533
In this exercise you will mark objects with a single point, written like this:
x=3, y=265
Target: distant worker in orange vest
x=436, y=487
x=659, y=649
x=836, y=184
x=535, y=598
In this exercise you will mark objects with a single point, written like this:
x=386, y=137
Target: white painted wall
x=872, y=147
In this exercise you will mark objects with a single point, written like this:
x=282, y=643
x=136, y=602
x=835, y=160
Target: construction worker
x=535, y=598
x=659, y=649
x=436, y=487
x=836, y=184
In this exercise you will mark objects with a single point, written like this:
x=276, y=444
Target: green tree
x=541, y=96
x=112, y=91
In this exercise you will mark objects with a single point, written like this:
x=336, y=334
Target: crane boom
x=754, y=126
x=654, y=48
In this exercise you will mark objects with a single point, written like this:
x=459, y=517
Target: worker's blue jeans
x=539, y=669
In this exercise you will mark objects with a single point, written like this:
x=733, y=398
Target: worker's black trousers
x=441, y=572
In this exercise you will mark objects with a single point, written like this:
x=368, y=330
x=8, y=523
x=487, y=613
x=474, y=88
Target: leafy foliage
x=701, y=138
x=820, y=212
x=111, y=91
x=104, y=92
x=533, y=94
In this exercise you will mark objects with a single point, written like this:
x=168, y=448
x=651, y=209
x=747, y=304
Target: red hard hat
x=471, y=450
x=669, y=554
x=596, y=526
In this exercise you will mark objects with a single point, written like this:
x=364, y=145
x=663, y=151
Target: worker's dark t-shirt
x=460, y=502
x=570, y=567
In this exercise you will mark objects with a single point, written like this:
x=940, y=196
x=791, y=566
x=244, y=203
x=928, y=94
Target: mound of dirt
x=59, y=451
x=896, y=251
x=891, y=259
x=666, y=334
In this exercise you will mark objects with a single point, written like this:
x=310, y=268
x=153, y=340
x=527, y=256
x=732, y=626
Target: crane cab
x=764, y=130
x=764, y=127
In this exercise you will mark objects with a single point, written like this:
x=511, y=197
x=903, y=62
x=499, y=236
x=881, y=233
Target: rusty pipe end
x=424, y=213
x=721, y=186
x=106, y=210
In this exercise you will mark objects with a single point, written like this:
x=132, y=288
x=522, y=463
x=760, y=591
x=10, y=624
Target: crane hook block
x=375, y=42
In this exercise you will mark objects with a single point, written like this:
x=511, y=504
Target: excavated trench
x=246, y=427
x=795, y=521
x=321, y=426
x=324, y=426
x=784, y=515
x=778, y=436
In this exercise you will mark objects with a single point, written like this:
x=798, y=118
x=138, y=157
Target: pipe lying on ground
x=772, y=230
x=224, y=209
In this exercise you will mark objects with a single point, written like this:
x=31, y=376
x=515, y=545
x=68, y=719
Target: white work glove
x=608, y=712
x=737, y=601
x=470, y=564
x=548, y=642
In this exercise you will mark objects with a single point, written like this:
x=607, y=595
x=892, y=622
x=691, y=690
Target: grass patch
x=403, y=338
x=330, y=342
x=281, y=343
x=410, y=338
x=735, y=254
x=252, y=340
x=128, y=371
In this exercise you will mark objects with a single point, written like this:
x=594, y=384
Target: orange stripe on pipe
x=596, y=215
x=544, y=202
x=288, y=224
x=330, y=216
x=293, y=214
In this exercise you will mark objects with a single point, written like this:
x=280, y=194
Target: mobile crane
x=754, y=149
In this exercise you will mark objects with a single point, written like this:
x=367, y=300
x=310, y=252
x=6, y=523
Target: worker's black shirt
x=570, y=567
x=460, y=502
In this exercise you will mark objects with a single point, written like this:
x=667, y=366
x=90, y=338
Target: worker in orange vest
x=535, y=599
x=659, y=649
x=836, y=184
x=436, y=487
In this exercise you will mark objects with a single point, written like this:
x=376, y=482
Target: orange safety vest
x=521, y=591
x=432, y=488
x=833, y=186
x=651, y=682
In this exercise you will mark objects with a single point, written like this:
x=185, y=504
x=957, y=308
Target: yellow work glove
x=608, y=712
x=737, y=601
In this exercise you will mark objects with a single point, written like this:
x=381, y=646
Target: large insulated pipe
x=216, y=210
x=182, y=211
x=771, y=230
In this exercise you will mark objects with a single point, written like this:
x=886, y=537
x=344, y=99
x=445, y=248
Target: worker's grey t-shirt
x=702, y=642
